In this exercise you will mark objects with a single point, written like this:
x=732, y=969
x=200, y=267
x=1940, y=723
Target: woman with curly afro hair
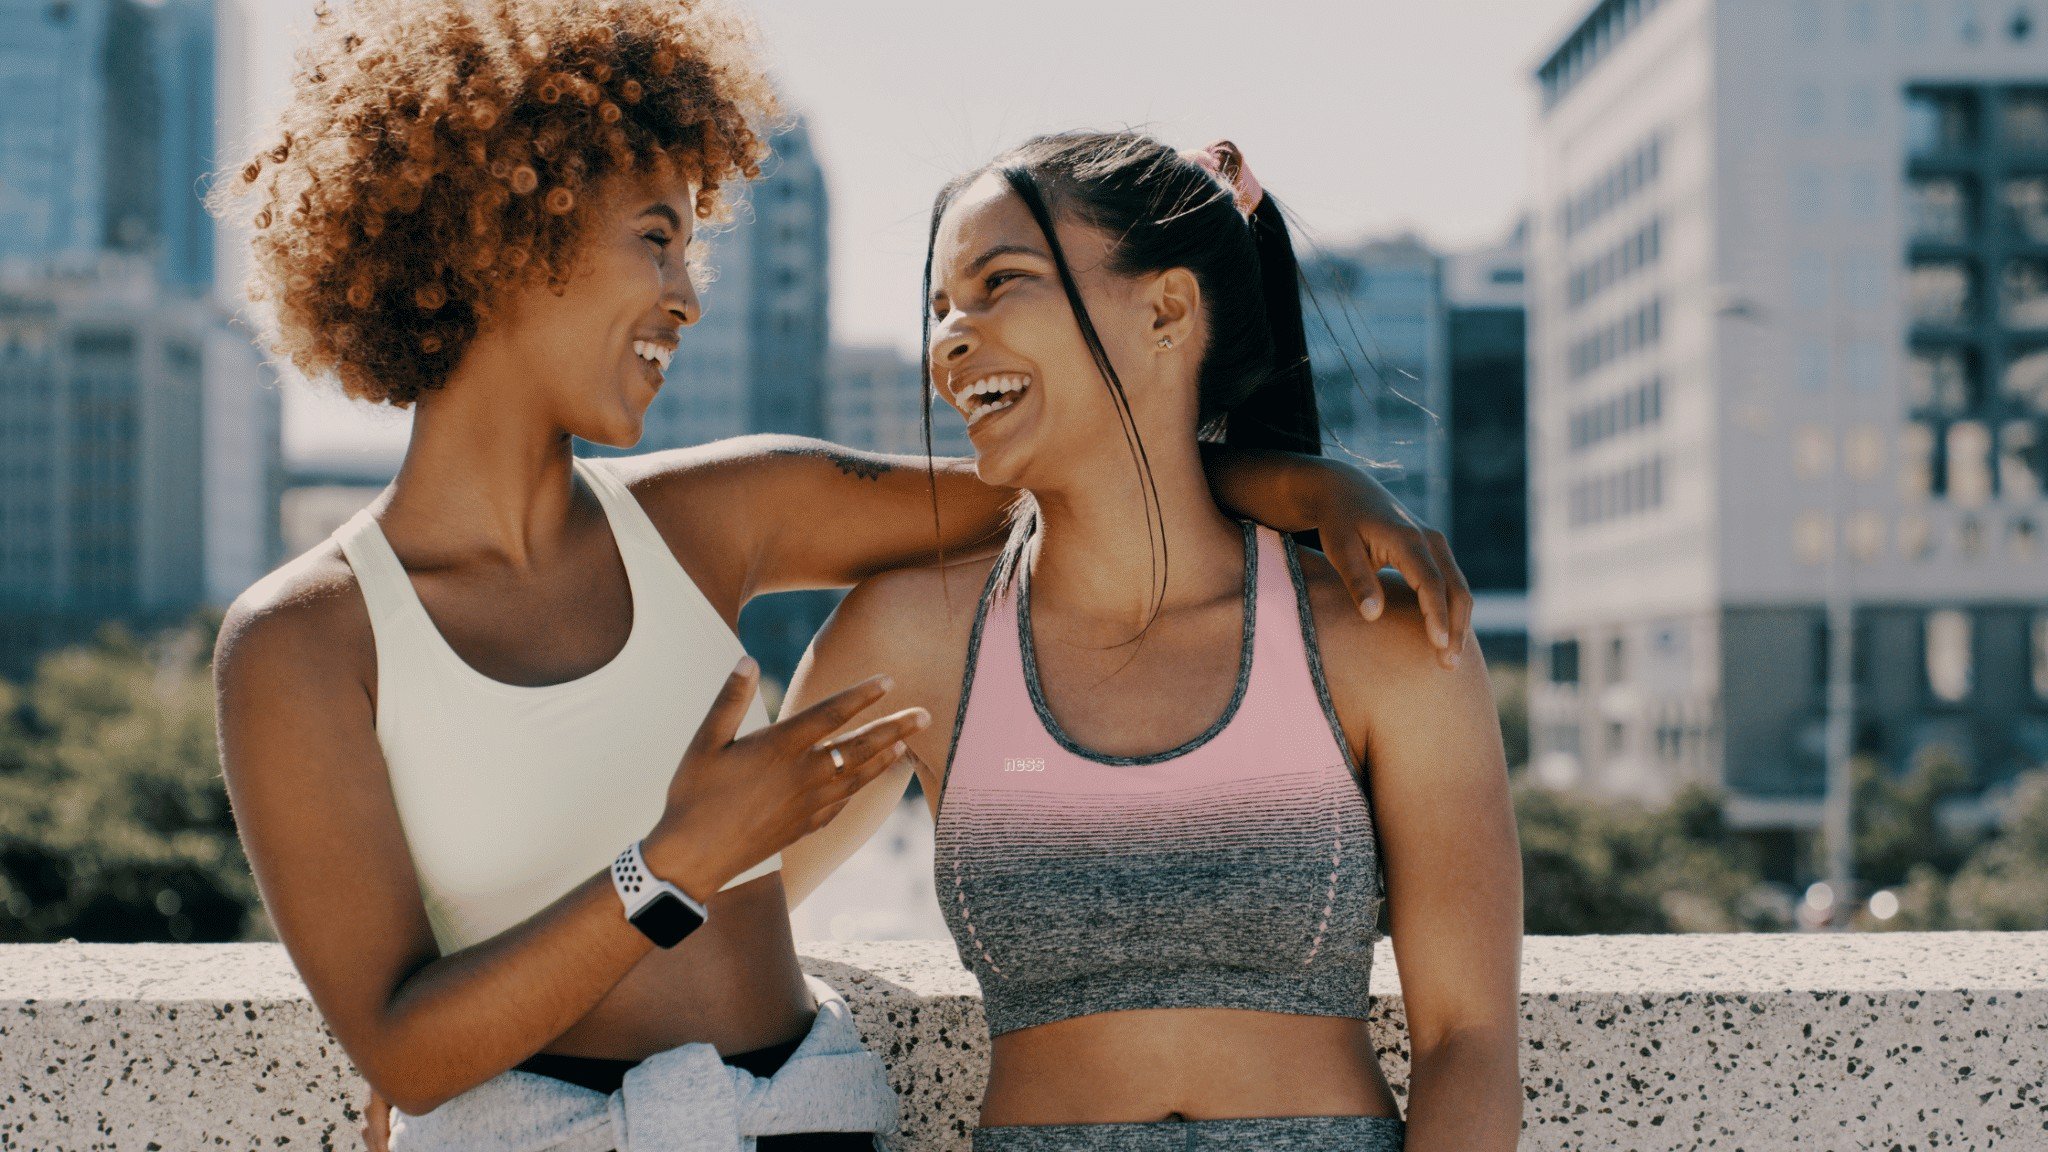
x=514, y=812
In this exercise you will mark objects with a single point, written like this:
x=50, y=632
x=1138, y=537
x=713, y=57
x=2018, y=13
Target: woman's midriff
x=734, y=983
x=1184, y=1064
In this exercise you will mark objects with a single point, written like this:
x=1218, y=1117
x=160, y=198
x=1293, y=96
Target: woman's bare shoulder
x=1375, y=668
x=915, y=625
x=304, y=623
x=913, y=616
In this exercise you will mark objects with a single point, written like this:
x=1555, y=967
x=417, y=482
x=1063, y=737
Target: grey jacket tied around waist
x=685, y=1099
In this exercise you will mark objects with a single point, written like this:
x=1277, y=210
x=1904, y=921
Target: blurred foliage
x=2002, y=885
x=1595, y=866
x=114, y=824
x=1511, y=699
x=1897, y=819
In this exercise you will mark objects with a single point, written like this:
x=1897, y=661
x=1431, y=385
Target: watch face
x=666, y=920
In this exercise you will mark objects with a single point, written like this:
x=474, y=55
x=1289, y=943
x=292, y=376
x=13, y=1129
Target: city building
x=138, y=473
x=1374, y=319
x=877, y=402
x=141, y=465
x=1486, y=425
x=1788, y=325
x=107, y=116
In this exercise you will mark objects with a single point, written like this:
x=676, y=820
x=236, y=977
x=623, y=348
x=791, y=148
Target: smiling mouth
x=991, y=394
x=655, y=355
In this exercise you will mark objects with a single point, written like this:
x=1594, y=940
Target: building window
x=1813, y=452
x=1940, y=120
x=1813, y=537
x=2026, y=208
x=1916, y=537
x=1940, y=209
x=1969, y=463
x=1808, y=21
x=1946, y=638
x=1809, y=106
x=1866, y=366
x=1810, y=280
x=1916, y=463
x=2020, y=459
x=1940, y=293
x=1866, y=535
x=1564, y=662
x=1617, y=666
x=1809, y=194
x=2026, y=293
x=2026, y=379
x=1913, y=22
x=2026, y=119
x=1943, y=380
x=1813, y=367
x=1864, y=279
x=1968, y=27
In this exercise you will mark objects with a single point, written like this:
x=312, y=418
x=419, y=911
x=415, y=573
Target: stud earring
x=1166, y=341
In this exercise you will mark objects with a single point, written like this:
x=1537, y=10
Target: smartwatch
x=661, y=911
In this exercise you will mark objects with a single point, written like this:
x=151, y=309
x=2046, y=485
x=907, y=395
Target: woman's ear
x=1176, y=302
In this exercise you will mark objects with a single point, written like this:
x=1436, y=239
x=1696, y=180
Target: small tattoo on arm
x=862, y=467
x=855, y=466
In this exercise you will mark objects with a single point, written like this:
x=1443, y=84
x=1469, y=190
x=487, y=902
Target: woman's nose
x=951, y=344
x=681, y=300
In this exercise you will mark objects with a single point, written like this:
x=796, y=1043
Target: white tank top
x=511, y=795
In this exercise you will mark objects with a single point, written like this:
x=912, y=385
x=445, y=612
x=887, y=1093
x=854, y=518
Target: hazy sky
x=1366, y=116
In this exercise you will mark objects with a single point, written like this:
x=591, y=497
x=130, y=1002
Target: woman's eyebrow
x=982, y=260
x=665, y=212
x=975, y=266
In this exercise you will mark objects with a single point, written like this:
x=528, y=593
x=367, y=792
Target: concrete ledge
x=1910, y=1041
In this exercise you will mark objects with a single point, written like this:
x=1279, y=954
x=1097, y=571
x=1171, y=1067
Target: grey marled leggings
x=1277, y=1134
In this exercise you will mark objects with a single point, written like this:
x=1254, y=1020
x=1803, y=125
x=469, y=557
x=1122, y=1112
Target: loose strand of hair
x=1026, y=187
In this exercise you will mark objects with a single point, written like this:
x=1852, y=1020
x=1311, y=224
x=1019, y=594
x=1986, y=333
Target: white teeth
x=976, y=416
x=997, y=385
x=649, y=350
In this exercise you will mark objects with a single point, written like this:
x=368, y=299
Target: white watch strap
x=638, y=886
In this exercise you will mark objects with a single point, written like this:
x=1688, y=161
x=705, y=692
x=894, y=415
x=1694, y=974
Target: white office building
x=1788, y=317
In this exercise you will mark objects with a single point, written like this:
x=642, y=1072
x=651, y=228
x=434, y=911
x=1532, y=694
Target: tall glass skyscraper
x=139, y=430
x=106, y=132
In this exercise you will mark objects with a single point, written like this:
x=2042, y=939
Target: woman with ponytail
x=1181, y=787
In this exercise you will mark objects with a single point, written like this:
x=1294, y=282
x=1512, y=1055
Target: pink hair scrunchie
x=1226, y=161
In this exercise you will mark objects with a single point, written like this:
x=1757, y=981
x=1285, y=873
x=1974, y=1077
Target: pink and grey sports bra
x=1239, y=870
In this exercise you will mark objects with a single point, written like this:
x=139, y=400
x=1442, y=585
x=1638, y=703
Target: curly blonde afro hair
x=438, y=155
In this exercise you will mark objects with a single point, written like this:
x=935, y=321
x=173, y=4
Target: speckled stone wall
x=1903, y=1041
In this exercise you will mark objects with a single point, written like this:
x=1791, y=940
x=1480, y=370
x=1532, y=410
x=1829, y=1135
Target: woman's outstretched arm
x=787, y=512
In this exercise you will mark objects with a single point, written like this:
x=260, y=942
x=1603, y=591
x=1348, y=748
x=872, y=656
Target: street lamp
x=1837, y=820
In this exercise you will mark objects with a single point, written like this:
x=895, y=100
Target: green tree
x=114, y=824
x=1511, y=700
x=2002, y=886
x=1592, y=866
x=1897, y=826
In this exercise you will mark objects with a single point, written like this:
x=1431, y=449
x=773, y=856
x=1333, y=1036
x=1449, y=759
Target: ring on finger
x=838, y=759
